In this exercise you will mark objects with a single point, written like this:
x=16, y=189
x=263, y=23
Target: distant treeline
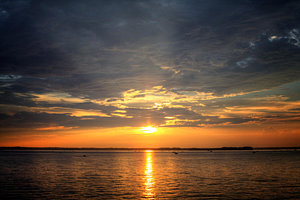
x=141, y=149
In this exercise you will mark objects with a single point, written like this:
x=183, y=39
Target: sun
x=148, y=129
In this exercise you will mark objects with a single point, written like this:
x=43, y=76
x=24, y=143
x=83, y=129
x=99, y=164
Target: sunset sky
x=161, y=73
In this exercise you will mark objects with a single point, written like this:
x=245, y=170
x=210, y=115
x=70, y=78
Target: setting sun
x=148, y=129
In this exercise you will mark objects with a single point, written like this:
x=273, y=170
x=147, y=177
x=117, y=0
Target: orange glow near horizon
x=185, y=137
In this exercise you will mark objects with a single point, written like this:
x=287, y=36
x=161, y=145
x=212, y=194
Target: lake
x=96, y=174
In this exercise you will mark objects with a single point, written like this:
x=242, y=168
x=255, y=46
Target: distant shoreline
x=161, y=148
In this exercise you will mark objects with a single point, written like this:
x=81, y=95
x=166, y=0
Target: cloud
x=54, y=128
x=292, y=37
x=126, y=63
x=244, y=63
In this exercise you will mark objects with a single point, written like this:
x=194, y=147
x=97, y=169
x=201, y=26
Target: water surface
x=149, y=175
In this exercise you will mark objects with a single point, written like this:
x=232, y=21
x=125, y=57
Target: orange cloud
x=53, y=128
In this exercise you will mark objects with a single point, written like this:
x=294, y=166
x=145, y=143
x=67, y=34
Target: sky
x=197, y=73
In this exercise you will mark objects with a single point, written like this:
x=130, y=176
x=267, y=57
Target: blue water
x=149, y=175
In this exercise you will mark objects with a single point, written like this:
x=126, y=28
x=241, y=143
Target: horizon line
x=146, y=148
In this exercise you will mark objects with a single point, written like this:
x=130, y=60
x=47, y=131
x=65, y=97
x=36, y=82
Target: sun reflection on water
x=149, y=179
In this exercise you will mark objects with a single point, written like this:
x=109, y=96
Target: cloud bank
x=76, y=64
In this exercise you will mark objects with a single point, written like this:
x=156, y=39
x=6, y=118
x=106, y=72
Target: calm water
x=150, y=175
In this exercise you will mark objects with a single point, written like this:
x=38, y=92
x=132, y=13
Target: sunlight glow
x=148, y=129
x=149, y=179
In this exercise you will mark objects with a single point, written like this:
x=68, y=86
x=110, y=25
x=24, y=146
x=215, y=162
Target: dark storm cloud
x=13, y=99
x=86, y=44
x=229, y=44
x=128, y=41
x=93, y=50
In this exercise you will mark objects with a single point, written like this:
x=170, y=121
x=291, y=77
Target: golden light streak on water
x=149, y=179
